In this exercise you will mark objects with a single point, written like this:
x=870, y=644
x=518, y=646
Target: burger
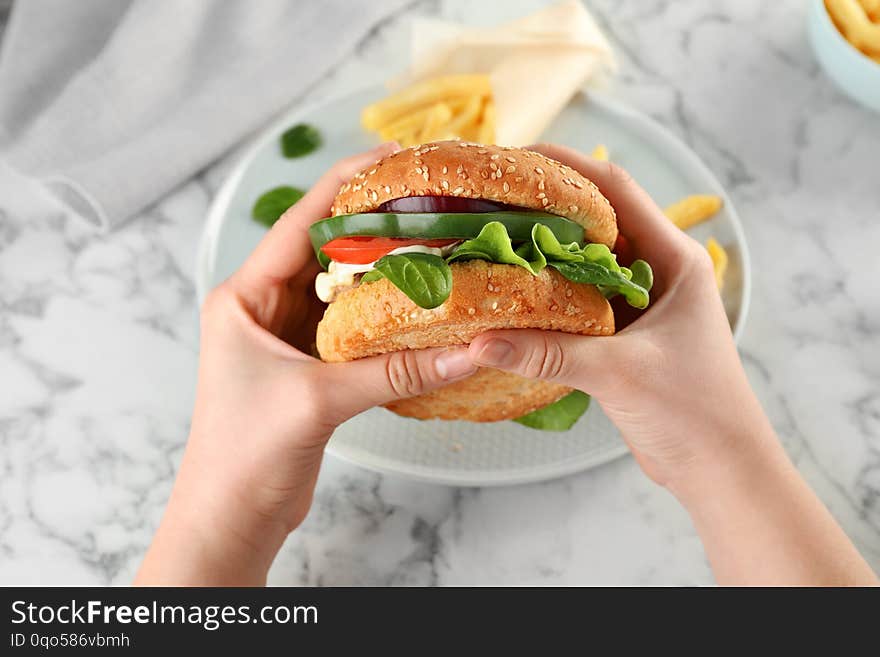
x=437, y=243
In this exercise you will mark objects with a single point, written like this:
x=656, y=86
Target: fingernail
x=496, y=353
x=454, y=364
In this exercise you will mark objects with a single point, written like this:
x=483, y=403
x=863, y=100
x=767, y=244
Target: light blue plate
x=462, y=453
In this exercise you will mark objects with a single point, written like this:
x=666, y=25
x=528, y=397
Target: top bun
x=503, y=174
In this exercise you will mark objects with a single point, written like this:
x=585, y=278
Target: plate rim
x=206, y=248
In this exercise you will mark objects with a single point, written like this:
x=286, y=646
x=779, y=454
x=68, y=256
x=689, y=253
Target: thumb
x=578, y=361
x=378, y=380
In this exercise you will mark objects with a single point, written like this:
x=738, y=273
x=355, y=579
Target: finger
x=286, y=248
x=582, y=362
x=643, y=224
x=378, y=380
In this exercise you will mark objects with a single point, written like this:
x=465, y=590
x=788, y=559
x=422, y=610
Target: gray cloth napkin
x=112, y=103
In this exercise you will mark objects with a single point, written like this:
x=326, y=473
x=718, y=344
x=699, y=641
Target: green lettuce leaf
x=593, y=264
x=426, y=279
x=560, y=415
x=493, y=244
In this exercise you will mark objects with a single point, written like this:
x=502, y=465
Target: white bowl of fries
x=846, y=39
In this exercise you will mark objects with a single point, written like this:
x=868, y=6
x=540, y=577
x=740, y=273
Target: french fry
x=467, y=118
x=600, y=153
x=872, y=8
x=427, y=92
x=415, y=121
x=486, y=132
x=692, y=210
x=437, y=118
x=719, y=260
x=854, y=24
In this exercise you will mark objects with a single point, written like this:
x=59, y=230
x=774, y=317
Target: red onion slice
x=442, y=204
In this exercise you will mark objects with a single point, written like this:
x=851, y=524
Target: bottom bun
x=487, y=396
x=377, y=318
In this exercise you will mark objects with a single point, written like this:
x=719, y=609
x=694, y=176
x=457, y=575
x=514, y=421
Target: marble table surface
x=98, y=339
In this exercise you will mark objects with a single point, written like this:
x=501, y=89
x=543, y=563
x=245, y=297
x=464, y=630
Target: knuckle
x=618, y=174
x=699, y=261
x=216, y=300
x=404, y=375
x=546, y=362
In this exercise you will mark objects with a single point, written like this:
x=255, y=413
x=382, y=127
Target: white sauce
x=340, y=275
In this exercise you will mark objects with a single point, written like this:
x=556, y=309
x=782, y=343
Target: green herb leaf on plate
x=300, y=140
x=560, y=415
x=271, y=205
x=426, y=279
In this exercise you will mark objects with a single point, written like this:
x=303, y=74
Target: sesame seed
x=387, y=189
x=541, y=195
x=539, y=171
x=445, y=169
x=544, y=201
x=458, y=170
x=506, y=187
x=371, y=172
x=472, y=311
x=554, y=307
x=457, y=190
x=484, y=174
x=510, y=159
x=578, y=185
x=541, y=185
x=518, y=179
x=481, y=151
x=494, y=305
x=493, y=166
x=489, y=273
x=568, y=292
x=510, y=169
x=403, y=188
x=573, y=208
x=374, y=196
x=490, y=288
x=495, y=156
x=425, y=176
x=444, y=183
x=418, y=169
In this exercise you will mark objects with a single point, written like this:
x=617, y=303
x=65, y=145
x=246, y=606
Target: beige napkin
x=536, y=63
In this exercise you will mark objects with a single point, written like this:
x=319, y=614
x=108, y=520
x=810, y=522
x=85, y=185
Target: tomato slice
x=364, y=249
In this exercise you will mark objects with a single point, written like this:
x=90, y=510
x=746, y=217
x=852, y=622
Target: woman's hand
x=668, y=379
x=672, y=382
x=265, y=407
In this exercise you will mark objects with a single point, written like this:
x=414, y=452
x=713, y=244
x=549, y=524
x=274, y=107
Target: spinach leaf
x=300, y=140
x=560, y=415
x=609, y=282
x=426, y=279
x=271, y=205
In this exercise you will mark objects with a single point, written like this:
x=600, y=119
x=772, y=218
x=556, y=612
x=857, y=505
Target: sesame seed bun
x=377, y=318
x=503, y=174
